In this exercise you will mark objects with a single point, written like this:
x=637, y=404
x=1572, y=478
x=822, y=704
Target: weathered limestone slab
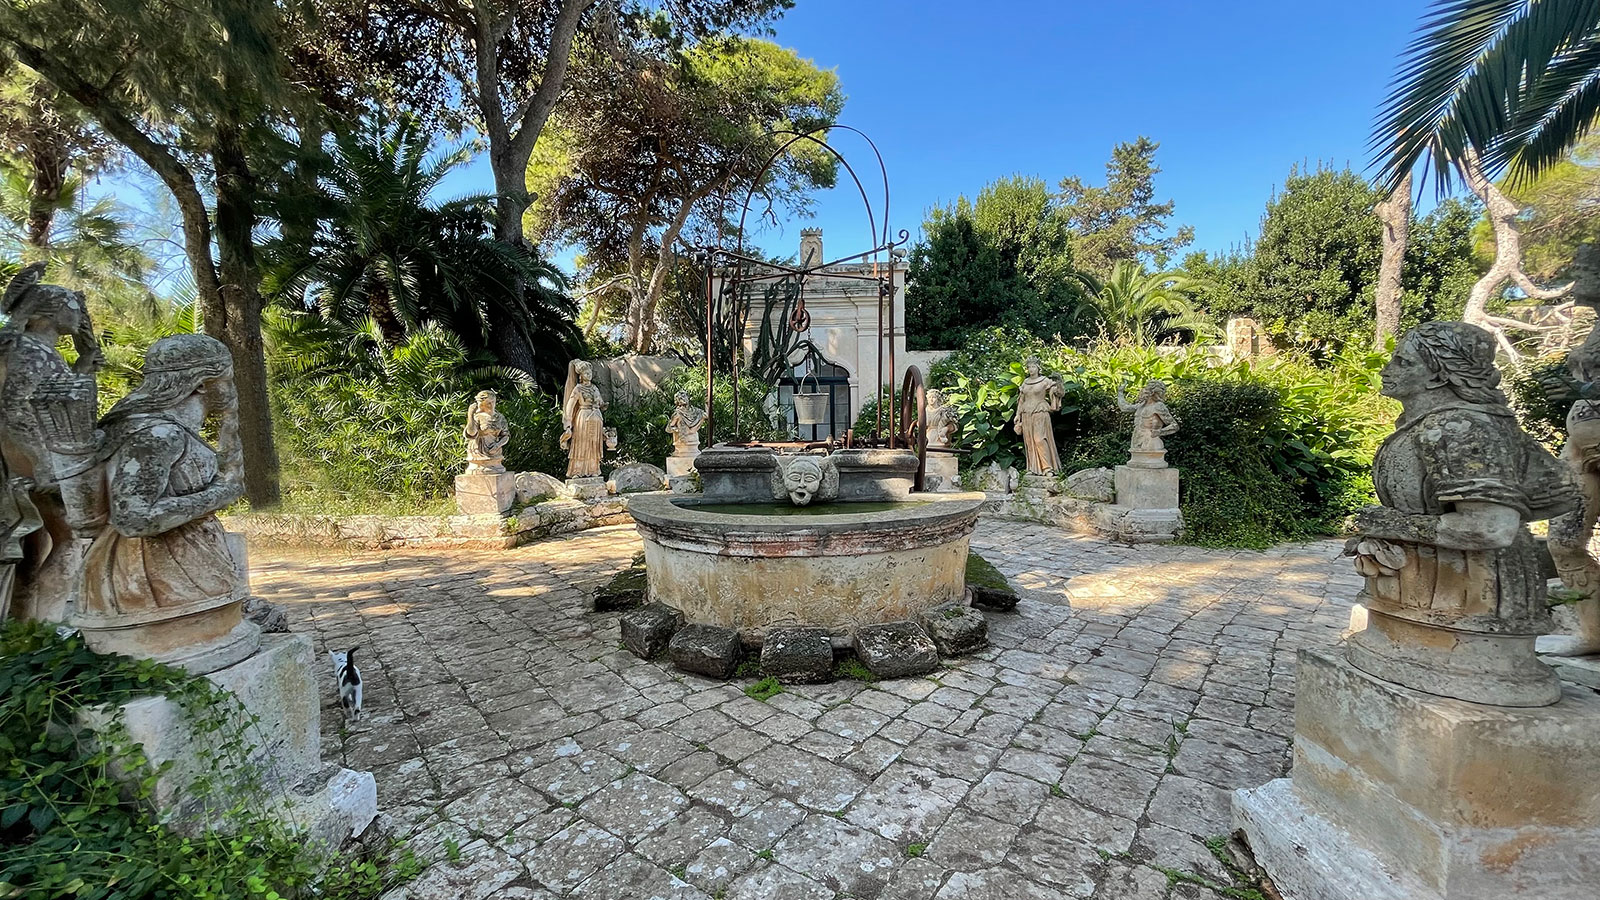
x=587, y=488
x=941, y=473
x=956, y=629
x=533, y=487
x=1134, y=526
x=1580, y=670
x=636, y=477
x=486, y=493
x=1092, y=484
x=276, y=686
x=1469, y=801
x=896, y=650
x=647, y=631
x=1146, y=488
x=798, y=655
x=679, y=465
x=706, y=650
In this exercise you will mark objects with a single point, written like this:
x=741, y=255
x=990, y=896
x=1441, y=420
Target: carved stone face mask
x=802, y=478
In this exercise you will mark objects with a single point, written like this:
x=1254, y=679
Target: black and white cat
x=348, y=680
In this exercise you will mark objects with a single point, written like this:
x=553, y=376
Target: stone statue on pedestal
x=47, y=409
x=1152, y=421
x=943, y=420
x=1454, y=588
x=583, y=424
x=159, y=580
x=684, y=426
x=1037, y=398
x=487, y=434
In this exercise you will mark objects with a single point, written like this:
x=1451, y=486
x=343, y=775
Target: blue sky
x=957, y=93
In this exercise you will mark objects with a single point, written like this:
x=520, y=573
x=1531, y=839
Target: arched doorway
x=829, y=379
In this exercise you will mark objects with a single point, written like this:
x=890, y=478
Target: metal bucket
x=811, y=409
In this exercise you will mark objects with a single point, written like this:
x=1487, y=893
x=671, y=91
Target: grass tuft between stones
x=915, y=850
x=852, y=668
x=765, y=689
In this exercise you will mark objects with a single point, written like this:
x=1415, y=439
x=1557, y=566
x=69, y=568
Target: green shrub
x=68, y=828
x=1270, y=450
x=1541, y=394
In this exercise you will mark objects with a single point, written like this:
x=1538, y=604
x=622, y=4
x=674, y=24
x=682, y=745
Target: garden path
x=1088, y=753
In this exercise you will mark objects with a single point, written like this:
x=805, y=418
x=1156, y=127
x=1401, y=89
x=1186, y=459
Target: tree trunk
x=1395, y=213
x=1507, y=264
x=240, y=325
x=512, y=135
x=645, y=337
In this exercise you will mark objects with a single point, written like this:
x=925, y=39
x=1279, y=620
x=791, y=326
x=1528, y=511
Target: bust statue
x=684, y=426
x=1152, y=421
x=1454, y=589
x=1038, y=397
x=487, y=434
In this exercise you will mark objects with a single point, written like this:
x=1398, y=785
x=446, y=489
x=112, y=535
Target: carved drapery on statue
x=159, y=580
x=1572, y=534
x=1037, y=398
x=583, y=424
x=1453, y=583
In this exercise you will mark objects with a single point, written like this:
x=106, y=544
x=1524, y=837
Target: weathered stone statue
x=1152, y=421
x=1037, y=398
x=1453, y=583
x=943, y=420
x=1572, y=533
x=160, y=581
x=684, y=426
x=805, y=477
x=583, y=422
x=487, y=434
x=47, y=410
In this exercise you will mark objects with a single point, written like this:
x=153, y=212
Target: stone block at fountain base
x=941, y=474
x=275, y=685
x=680, y=465
x=1400, y=794
x=1145, y=488
x=486, y=494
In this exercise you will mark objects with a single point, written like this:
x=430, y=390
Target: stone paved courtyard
x=1088, y=753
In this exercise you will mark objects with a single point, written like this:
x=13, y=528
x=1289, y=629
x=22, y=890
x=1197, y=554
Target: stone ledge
x=1108, y=520
x=481, y=532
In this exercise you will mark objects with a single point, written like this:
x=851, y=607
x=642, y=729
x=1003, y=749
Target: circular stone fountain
x=836, y=541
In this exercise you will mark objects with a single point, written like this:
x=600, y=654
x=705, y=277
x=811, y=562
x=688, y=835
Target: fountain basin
x=830, y=566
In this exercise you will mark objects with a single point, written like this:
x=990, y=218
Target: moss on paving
x=981, y=573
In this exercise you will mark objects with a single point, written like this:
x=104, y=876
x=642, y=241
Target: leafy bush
x=642, y=425
x=1270, y=450
x=1541, y=393
x=68, y=827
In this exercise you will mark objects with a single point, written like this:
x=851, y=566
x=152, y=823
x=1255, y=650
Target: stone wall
x=484, y=532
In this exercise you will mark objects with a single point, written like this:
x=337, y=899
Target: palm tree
x=1142, y=308
x=85, y=241
x=381, y=248
x=1498, y=83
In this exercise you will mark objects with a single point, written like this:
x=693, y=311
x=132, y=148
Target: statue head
x=935, y=398
x=1032, y=366
x=29, y=304
x=176, y=368
x=802, y=479
x=485, y=401
x=681, y=398
x=1450, y=356
x=1154, y=391
x=585, y=370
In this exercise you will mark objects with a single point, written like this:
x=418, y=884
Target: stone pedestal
x=275, y=685
x=941, y=474
x=486, y=494
x=1400, y=794
x=592, y=488
x=680, y=465
x=1147, y=459
x=1139, y=487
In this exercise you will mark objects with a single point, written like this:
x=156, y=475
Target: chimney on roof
x=810, y=247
